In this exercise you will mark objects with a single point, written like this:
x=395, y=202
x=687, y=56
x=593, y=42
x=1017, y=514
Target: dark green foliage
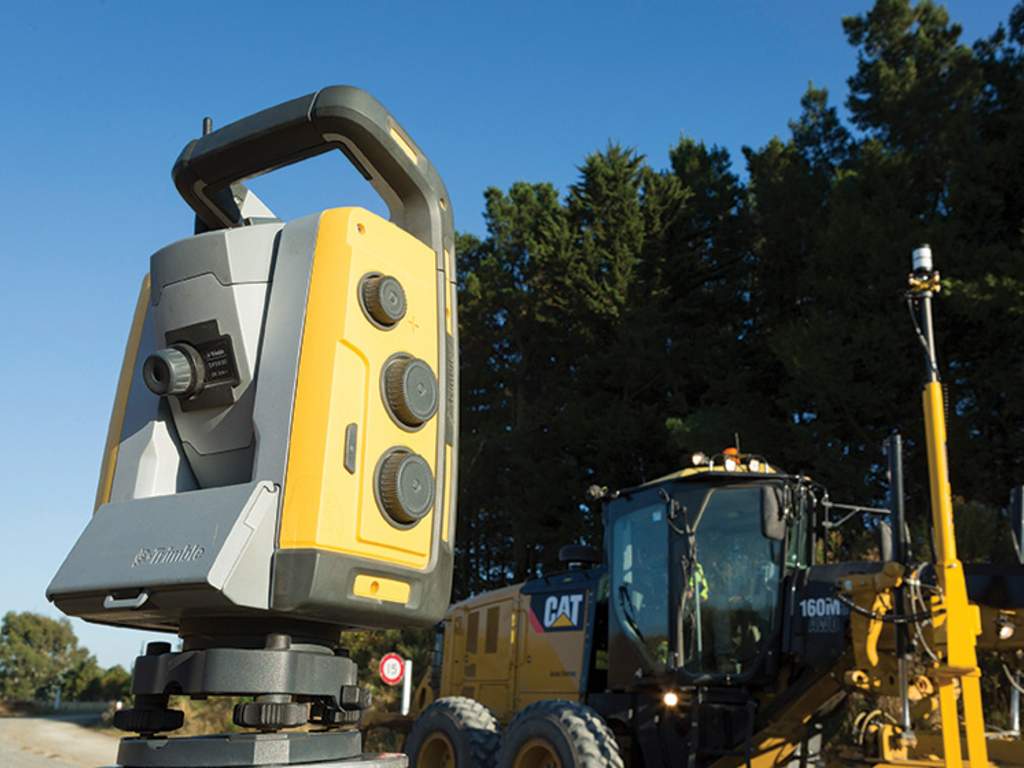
x=367, y=647
x=112, y=684
x=647, y=313
x=40, y=655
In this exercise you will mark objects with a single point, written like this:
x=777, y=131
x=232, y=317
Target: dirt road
x=54, y=742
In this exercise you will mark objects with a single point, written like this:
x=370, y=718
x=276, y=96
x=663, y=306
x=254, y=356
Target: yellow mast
x=956, y=622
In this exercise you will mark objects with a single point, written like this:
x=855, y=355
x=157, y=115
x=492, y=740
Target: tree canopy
x=649, y=311
x=40, y=656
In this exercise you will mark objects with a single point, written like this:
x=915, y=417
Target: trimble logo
x=168, y=555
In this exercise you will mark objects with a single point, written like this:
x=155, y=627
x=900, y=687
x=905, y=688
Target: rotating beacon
x=280, y=463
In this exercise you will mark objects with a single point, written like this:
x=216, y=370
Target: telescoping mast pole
x=894, y=451
x=955, y=621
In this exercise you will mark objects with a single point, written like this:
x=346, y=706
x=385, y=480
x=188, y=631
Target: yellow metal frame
x=957, y=623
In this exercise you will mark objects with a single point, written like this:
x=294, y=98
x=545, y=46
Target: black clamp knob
x=383, y=299
x=149, y=719
x=410, y=390
x=405, y=486
x=270, y=715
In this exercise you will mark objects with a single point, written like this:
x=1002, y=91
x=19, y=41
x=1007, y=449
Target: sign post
x=407, y=687
x=394, y=670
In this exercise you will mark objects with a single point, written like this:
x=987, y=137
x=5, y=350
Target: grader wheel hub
x=537, y=753
x=437, y=752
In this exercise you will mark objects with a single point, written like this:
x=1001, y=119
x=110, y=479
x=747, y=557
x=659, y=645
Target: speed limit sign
x=392, y=668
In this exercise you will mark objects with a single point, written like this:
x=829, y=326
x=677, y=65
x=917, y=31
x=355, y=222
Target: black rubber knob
x=410, y=390
x=149, y=720
x=383, y=298
x=157, y=648
x=405, y=485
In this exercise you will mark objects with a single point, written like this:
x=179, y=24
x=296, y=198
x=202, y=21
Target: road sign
x=392, y=669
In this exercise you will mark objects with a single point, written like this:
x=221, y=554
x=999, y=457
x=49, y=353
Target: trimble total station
x=280, y=463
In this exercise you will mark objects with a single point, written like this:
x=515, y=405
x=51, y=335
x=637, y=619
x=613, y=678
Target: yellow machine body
x=498, y=651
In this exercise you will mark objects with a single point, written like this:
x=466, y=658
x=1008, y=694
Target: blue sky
x=99, y=98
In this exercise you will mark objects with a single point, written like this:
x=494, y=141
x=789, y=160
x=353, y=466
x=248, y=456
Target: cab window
x=640, y=581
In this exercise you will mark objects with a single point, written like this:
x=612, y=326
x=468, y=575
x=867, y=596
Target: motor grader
x=712, y=631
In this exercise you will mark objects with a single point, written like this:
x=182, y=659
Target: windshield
x=728, y=606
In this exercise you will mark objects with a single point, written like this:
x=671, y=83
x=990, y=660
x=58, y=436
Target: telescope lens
x=170, y=372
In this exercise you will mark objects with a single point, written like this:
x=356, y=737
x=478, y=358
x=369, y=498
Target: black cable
x=921, y=337
x=910, y=619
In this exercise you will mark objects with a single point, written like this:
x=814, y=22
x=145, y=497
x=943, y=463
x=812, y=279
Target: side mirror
x=773, y=522
x=1017, y=520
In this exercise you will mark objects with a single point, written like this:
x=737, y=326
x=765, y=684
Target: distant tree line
x=40, y=656
x=651, y=311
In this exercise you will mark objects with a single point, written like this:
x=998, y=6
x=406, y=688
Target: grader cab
x=707, y=584
x=708, y=633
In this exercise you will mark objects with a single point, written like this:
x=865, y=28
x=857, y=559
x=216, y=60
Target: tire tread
x=471, y=718
x=588, y=735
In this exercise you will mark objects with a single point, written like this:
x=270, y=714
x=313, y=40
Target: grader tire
x=559, y=734
x=453, y=732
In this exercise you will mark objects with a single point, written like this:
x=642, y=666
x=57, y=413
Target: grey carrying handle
x=339, y=117
x=115, y=603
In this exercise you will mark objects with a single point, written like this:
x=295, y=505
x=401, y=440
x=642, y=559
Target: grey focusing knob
x=410, y=390
x=405, y=486
x=173, y=371
x=383, y=299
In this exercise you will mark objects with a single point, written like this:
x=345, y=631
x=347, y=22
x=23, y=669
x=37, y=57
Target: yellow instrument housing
x=342, y=355
x=282, y=446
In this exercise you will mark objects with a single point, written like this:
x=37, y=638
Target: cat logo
x=563, y=611
x=558, y=611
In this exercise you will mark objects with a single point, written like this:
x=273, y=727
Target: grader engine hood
x=524, y=643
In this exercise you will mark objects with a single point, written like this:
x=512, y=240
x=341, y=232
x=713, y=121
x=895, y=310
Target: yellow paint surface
x=377, y=588
x=124, y=383
x=325, y=506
